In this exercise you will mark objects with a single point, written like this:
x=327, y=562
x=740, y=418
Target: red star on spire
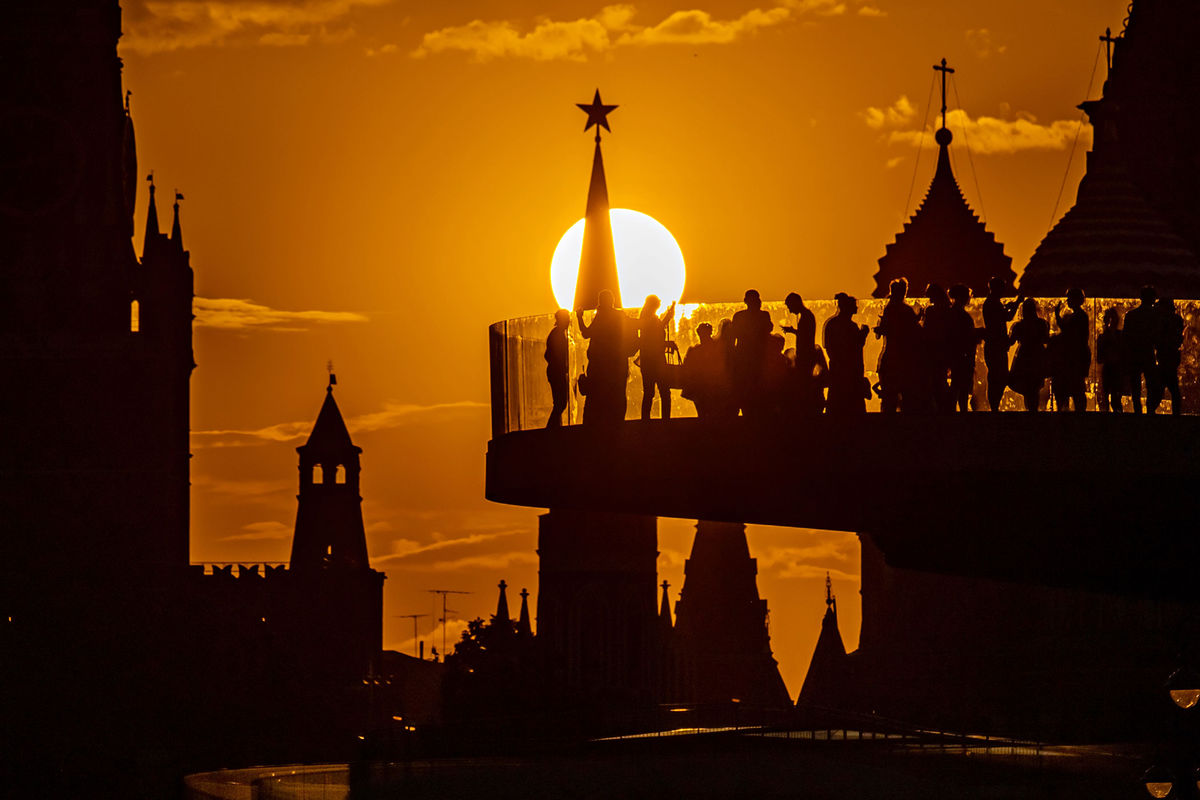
x=597, y=114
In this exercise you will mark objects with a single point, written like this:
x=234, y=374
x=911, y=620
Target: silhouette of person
x=1167, y=344
x=608, y=362
x=936, y=353
x=898, y=363
x=556, y=366
x=844, y=341
x=777, y=374
x=750, y=328
x=653, y=345
x=1110, y=353
x=1030, y=334
x=805, y=360
x=1072, y=357
x=963, y=339
x=1141, y=326
x=704, y=373
x=996, y=316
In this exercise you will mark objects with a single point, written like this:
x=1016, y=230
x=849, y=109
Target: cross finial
x=503, y=584
x=1109, y=40
x=945, y=70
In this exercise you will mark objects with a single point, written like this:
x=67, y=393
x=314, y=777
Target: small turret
x=664, y=611
x=176, y=230
x=524, y=627
x=502, y=603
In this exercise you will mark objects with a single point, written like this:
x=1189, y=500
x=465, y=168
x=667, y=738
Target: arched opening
x=134, y=317
x=339, y=474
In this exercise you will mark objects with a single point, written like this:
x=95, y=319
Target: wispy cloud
x=259, y=531
x=612, y=27
x=393, y=415
x=979, y=40
x=238, y=314
x=814, y=571
x=985, y=135
x=407, y=548
x=155, y=26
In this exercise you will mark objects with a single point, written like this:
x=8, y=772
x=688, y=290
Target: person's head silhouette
x=898, y=289
x=1029, y=309
x=936, y=294
x=1075, y=298
x=794, y=303
x=651, y=305
x=1148, y=295
x=996, y=287
x=845, y=303
x=752, y=299
x=562, y=318
x=960, y=294
x=704, y=331
x=604, y=300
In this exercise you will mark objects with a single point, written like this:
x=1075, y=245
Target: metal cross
x=942, y=68
x=1109, y=40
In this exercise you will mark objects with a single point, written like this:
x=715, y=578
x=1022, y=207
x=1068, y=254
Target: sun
x=649, y=260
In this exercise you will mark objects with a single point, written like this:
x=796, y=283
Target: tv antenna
x=414, y=618
x=443, y=593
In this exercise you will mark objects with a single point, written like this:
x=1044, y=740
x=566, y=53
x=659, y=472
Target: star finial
x=597, y=114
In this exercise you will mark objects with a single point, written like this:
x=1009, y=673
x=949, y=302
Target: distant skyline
x=374, y=182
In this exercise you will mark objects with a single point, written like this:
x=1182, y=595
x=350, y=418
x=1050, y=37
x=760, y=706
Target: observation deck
x=1090, y=500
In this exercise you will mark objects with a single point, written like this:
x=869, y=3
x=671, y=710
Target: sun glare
x=649, y=260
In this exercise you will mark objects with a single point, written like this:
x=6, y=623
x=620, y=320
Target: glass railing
x=521, y=398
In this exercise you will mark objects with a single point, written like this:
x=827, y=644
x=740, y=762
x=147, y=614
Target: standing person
x=996, y=316
x=1073, y=355
x=844, y=342
x=1141, y=326
x=750, y=328
x=1031, y=334
x=901, y=332
x=652, y=342
x=704, y=372
x=805, y=332
x=1167, y=344
x=963, y=341
x=556, y=366
x=935, y=355
x=608, y=362
x=1110, y=353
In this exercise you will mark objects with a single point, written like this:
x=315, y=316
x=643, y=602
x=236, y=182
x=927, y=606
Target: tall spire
x=598, y=260
x=176, y=230
x=524, y=625
x=827, y=670
x=151, y=215
x=502, y=603
x=664, y=611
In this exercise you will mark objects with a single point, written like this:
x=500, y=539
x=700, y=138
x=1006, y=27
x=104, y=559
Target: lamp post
x=1183, y=687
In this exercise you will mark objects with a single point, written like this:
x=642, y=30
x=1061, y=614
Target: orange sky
x=402, y=172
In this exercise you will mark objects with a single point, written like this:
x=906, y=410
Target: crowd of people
x=927, y=364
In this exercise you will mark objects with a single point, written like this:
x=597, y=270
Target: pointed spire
x=502, y=603
x=664, y=610
x=151, y=215
x=598, y=260
x=329, y=433
x=824, y=682
x=524, y=626
x=176, y=230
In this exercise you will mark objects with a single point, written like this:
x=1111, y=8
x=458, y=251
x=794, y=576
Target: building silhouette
x=945, y=242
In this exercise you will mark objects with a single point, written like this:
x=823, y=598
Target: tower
x=598, y=260
x=827, y=671
x=1136, y=218
x=329, y=525
x=944, y=242
x=721, y=622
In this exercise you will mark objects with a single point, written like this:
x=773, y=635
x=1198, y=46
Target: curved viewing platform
x=1094, y=499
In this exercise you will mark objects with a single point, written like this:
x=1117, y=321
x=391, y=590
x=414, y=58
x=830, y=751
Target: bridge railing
x=521, y=397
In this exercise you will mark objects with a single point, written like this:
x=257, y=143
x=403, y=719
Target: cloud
x=157, y=26
x=871, y=11
x=898, y=114
x=979, y=40
x=257, y=531
x=813, y=571
x=234, y=313
x=393, y=415
x=985, y=135
x=407, y=548
x=612, y=27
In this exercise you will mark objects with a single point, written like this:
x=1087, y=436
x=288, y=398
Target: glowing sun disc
x=649, y=260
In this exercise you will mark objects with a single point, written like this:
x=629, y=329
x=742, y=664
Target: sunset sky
x=373, y=182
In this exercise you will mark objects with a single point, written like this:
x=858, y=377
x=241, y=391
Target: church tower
x=944, y=242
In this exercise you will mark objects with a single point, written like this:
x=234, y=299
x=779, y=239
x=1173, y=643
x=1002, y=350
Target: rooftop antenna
x=414, y=618
x=443, y=593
